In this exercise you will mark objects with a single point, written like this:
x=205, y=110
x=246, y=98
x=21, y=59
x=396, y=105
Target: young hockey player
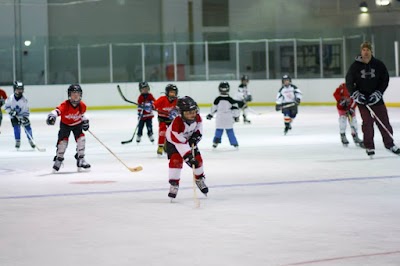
x=18, y=109
x=145, y=112
x=182, y=136
x=347, y=112
x=3, y=97
x=287, y=100
x=228, y=113
x=165, y=106
x=72, y=112
x=243, y=96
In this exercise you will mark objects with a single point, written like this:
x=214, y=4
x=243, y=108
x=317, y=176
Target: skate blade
x=81, y=169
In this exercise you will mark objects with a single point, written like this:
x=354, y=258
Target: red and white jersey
x=164, y=106
x=146, y=100
x=179, y=132
x=342, y=93
x=70, y=115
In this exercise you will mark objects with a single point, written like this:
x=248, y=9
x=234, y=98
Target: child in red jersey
x=3, y=97
x=347, y=112
x=72, y=120
x=165, y=106
x=145, y=111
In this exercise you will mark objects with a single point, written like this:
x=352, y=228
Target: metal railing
x=175, y=61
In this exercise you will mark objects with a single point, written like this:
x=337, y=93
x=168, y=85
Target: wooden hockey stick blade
x=40, y=149
x=136, y=169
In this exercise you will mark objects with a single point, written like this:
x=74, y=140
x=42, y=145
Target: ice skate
x=17, y=144
x=236, y=146
x=173, y=190
x=358, y=141
x=138, y=139
x=344, y=140
x=151, y=138
x=81, y=163
x=160, y=150
x=215, y=145
x=201, y=185
x=370, y=152
x=245, y=120
x=285, y=131
x=58, y=162
x=395, y=150
x=33, y=145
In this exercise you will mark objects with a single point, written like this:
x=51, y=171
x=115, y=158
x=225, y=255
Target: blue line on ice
x=293, y=182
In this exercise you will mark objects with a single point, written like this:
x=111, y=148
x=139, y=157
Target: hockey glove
x=278, y=107
x=209, y=117
x=195, y=138
x=297, y=100
x=13, y=113
x=359, y=98
x=350, y=112
x=25, y=121
x=344, y=102
x=51, y=119
x=85, y=124
x=190, y=160
x=236, y=119
x=375, y=97
x=248, y=98
x=173, y=113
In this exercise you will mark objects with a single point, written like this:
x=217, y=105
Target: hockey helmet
x=244, y=78
x=18, y=85
x=186, y=103
x=171, y=87
x=224, y=88
x=286, y=77
x=74, y=88
x=143, y=84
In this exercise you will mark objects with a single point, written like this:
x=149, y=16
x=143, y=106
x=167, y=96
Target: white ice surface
x=300, y=199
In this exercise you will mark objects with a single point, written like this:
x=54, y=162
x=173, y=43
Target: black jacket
x=366, y=78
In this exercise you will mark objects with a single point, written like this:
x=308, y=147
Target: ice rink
x=300, y=199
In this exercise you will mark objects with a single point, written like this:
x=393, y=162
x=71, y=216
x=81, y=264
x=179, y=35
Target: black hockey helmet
x=186, y=103
x=143, y=84
x=224, y=88
x=18, y=85
x=74, y=88
x=286, y=77
x=244, y=78
x=171, y=87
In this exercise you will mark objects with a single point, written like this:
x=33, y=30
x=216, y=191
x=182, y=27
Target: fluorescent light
x=363, y=7
x=382, y=2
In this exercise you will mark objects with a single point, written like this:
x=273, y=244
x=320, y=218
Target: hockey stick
x=373, y=115
x=30, y=137
x=195, y=198
x=134, y=132
x=123, y=96
x=132, y=169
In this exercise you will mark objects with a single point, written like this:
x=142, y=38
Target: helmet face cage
x=143, y=85
x=171, y=87
x=74, y=88
x=186, y=103
x=286, y=77
x=18, y=85
x=224, y=88
x=244, y=78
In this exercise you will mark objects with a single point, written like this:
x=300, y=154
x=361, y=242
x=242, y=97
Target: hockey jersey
x=3, y=97
x=342, y=94
x=70, y=115
x=164, y=107
x=288, y=94
x=147, y=101
x=179, y=132
x=243, y=94
x=20, y=105
x=227, y=110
